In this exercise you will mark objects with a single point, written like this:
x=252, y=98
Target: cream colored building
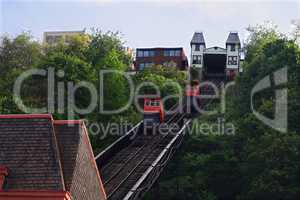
x=52, y=37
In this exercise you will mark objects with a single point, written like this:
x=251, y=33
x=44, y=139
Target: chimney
x=3, y=174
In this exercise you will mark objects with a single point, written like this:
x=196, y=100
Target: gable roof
x=28, y=148
x=43, y=154
x=198, y=38
x=233, y=38
x=81, y=174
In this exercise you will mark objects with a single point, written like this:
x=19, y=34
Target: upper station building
x=216, y=61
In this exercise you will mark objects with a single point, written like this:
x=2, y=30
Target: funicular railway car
x=192, y=97
x=154, y=112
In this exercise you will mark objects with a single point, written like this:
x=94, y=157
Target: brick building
x=41, y=158
x=146, y=57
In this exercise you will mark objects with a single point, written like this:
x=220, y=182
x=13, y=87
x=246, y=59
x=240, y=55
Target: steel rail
x=157, y=166
x=154, y=165
x=131, y=157
x=155, y=144
x=120, y=139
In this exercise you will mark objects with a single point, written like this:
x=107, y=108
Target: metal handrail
x=154, y=165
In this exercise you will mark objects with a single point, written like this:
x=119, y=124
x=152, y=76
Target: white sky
x=148, y=23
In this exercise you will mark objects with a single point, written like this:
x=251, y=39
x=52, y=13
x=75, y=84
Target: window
x=166, y=53
x=151, y=53
x=142, y=66
x=232, y=47
x=146, y=53
x=153, y=103
x=196, y=59
x=145, y=65
x=140, y=53
x=232, y=60
x=172, y=53
x=170, y=63
x=149, y=64
x=197, y=47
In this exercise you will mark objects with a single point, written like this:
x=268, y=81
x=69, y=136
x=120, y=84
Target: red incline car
x=193, y=89
x=154, y=111
x=192, y=97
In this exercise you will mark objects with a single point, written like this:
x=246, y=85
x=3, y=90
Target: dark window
x=177, y=52
x=232, y=60
x=152, y=53
x=166, y=53
x=197, y=47
x=145, y=53
x=196, y=59
x=232, y=47
x=172, y=53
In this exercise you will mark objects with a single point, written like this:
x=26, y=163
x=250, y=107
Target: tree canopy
x=257, y=162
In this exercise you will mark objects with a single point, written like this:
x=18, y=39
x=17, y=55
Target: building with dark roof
x=45, y=159
x=233, y=38
x=216, y=61
x=167, y=57
x=198, y=38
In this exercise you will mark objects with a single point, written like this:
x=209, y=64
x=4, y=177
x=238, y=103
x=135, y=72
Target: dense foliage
x=74, y=60
x=257, y=162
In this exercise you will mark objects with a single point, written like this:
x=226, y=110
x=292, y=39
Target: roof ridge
x=26, y=116
x=90, y=148
x=64, y=122
x=58, y=154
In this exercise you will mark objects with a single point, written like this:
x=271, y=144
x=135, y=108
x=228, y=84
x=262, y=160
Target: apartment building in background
x=52, y=37
x=167, y=57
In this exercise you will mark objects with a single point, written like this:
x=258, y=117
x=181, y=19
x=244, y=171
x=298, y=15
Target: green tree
x=257, y=162
x=16, y=55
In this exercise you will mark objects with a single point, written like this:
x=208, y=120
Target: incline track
x=128, y=165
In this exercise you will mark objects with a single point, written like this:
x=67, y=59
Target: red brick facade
x=146, y=57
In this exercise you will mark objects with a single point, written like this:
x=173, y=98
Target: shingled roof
x=28, y=148
x=81, y=174
x=198, y=38
x=233, y=38
x=43, y=154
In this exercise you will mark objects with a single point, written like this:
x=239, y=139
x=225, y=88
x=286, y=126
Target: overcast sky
x=147, y=23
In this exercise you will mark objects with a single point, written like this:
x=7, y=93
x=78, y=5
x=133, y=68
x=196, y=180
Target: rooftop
x=233, y=38
x=43, y=154
x=198, y=38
